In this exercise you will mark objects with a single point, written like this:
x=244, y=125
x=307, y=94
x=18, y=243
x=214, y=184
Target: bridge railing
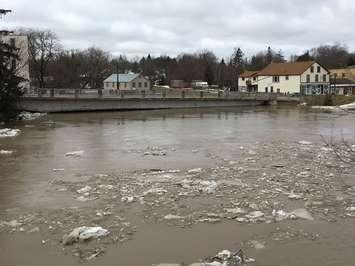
x=171, y=94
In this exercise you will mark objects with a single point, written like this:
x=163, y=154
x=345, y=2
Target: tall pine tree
x=10, y=90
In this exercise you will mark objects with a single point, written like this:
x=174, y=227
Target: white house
x=126, y=82
x=248, y=81
x=305, y=78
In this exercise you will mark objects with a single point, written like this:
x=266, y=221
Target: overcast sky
x=139, y=27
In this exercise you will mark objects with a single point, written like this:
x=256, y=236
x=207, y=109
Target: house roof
x=248, y=74
x=122, y=78
x=282, y=69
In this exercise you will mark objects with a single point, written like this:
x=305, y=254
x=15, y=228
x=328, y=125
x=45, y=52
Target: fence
x=170, y=94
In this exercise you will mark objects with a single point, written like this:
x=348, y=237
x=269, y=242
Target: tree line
x=53, y=66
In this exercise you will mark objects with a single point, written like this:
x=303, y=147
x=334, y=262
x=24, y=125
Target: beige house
x=305, y=78
x=126, y=82
x=21, y=65
x=248, y=81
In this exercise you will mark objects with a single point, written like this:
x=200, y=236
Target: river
x=128, y=153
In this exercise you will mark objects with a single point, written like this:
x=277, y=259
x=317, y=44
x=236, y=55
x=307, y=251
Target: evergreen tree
x=305, y=57
x=10, y=90
x=269, y=56
x=237, y=60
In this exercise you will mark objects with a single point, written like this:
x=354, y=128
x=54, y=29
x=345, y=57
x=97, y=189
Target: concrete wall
x=72, y=105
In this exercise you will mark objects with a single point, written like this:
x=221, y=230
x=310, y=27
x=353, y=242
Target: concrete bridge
x=52, y=101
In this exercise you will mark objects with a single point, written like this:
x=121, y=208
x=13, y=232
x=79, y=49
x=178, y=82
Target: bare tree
x=43, y=46
x=96, y=67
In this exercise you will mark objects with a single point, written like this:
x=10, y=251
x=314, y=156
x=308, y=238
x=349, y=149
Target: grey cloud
x=139, y=27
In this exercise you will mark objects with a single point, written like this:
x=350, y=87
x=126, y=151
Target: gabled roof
x=122, y=78
x=282, y=69
x=249, y=74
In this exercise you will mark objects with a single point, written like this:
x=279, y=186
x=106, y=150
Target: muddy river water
x=178, y=186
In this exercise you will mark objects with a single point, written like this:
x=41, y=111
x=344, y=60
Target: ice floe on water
x=74, y=154
x=5, y=152
x=350, y=106
x=222, y=258
x=9, y=132
x=83, y=234
x=27, y=116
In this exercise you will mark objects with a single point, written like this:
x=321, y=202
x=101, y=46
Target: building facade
x=22, y=64
x=343, y=73
x=126, y=82
x=248, y=81
x=304, y=78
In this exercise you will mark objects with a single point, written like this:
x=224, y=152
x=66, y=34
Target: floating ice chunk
x=74, y=154
x=235, y=210
x=9, y=133
x=303, y=214
x=158, y=191
x=303, y=142
x=127, y=199
x=173, y=217
x=84, y=190
x=58, y=169
x=224, y=255
x=82, y=199
x=106, y=187
x=27, y=116
x=84, y=233
x=13, y=223
x=299, y=213
x=255, y=215
x=350, y=106
x=328, y=108
x=208, y=187
x=167, y=264
x=195, y=171
x=294, y=196
x=5, y=152
x=257, y=245
x=350, y=209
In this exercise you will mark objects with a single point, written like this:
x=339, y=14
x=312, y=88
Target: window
x=324, y=78
x=318, y=69
x=276, y=79
x=145, y=84
x=312, y=69
x=243, y=79
x=308, y=78
x=271, y=89
x=133, y=84
x=254, y=78
x=287, y=77
x=139, y=84
x=278, y=90
x=266, y=89
x=317, y=78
